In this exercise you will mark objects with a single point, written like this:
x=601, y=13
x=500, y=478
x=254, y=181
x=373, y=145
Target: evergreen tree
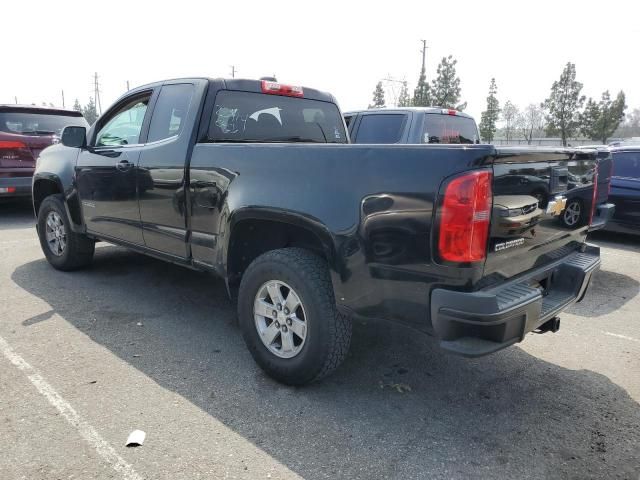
x=77, y=107
x=600, y=120
x=403, y=99
x=421, y=94
x=378, y=97
x=489, y=118
x=445, y=88
x=563, y=104
x=89, y=111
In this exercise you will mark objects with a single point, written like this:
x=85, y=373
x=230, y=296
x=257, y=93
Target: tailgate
x=532, y=189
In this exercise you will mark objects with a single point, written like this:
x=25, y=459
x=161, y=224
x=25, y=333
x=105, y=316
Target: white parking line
x=617, y=335
x=91, y=436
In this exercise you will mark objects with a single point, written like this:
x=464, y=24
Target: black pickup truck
x=255, y=181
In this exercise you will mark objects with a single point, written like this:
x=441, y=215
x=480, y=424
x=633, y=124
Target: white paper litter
x=135, y=439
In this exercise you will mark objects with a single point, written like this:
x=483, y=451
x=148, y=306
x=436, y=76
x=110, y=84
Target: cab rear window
x=439, y=128
x=255, y=117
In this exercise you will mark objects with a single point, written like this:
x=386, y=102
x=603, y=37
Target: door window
x=124, y=125
x=626, y=164
x=170, y=111
x=378, y=128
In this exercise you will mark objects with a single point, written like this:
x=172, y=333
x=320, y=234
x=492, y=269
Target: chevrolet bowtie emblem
x=556, y=206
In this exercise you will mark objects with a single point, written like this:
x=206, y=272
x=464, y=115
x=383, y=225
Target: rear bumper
x=473, y=324
x=22, y=186
x=604, y=212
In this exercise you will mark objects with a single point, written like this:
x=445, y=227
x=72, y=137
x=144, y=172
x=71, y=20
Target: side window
x=123, y=126
x=170, y=111
x=386, y=128
x=626, y=164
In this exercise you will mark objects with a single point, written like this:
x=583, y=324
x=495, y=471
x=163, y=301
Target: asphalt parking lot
x=134, y=343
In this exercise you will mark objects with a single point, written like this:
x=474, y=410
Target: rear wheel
x=64, y=249
x=289, y=318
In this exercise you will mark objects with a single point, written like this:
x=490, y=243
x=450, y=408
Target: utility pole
x=128, y=86
x=96, y=93
x=233, y=71
x=62, y=98
x=16, y=99
x=424, y=54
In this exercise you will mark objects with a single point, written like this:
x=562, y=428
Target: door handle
x=123, y=165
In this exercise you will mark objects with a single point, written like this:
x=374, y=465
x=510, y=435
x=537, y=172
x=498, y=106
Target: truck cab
x=413, y=125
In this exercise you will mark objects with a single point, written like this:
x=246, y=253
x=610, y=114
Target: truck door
x=106, y=170
x=162, y=167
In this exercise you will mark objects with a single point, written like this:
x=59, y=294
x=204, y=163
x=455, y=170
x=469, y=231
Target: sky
x=343, y=47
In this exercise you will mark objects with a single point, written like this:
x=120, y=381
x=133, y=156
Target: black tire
x=78, y=250
x=328, y=331
x=568, y=215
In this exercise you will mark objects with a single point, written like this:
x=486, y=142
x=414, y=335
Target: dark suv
x=24, y=132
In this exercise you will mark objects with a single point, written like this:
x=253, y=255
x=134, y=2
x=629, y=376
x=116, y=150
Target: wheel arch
x=46, y=184
x=254, y=231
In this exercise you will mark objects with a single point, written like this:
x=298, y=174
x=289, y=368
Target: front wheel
x=289, y=319
x=573, y=214
x=64, y=249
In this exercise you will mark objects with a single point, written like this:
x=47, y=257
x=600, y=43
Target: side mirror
x=73, y=136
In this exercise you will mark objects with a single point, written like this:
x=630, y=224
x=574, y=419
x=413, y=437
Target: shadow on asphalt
x=619, y=241
x=607, y=292
x=510, y=415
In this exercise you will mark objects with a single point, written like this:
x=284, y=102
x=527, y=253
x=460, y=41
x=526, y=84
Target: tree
x=489, y=117
x=531, y=122
x=403, y=99
x=563, y=104
x=445, y=88
x=89, y=111
x=378, y=97
x=421, y=94
x=510, y=115
x=77, y=107
x=631, y=126
x=600, y=120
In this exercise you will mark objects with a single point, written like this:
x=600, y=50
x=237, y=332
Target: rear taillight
x=13, y=150
x=595, y=196
x=465, y=218
x=275, y=88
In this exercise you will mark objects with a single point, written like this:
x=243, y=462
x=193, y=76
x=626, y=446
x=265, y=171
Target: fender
x=70, y=196
x=315, y=226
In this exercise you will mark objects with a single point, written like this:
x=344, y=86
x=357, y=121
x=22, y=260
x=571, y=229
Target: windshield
x=256, y=117
x=37, y=123
x=440, y=128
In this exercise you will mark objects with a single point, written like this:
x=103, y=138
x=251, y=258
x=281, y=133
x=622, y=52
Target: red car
x=25, y=131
